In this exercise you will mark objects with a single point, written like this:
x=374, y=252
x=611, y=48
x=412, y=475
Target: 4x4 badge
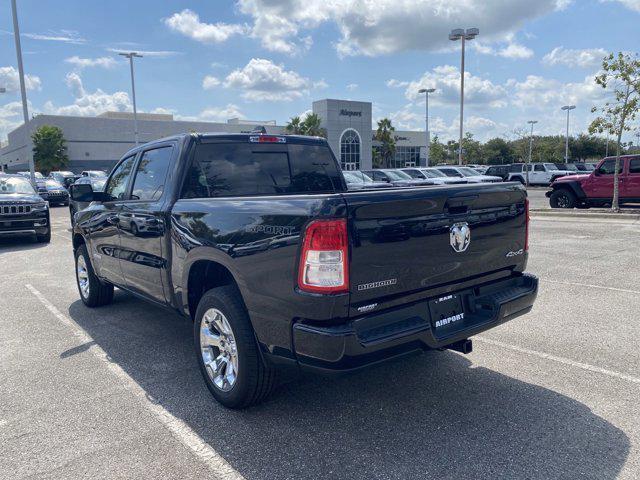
x=460, y=236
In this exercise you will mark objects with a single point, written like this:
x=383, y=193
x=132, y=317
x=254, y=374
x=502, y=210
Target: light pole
x=568, y=108
x=23, y=90
x=427, y=91
x=131, y=56
x=455, y=35
x=532, y=123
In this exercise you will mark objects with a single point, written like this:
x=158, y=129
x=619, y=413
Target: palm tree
x=311, y=126
x=294, y=126
x=384, y=135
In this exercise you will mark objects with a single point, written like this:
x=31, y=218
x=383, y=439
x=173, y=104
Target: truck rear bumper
x=380, y=336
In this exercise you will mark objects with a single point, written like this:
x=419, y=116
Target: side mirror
x=82, y=192
x=596, y=172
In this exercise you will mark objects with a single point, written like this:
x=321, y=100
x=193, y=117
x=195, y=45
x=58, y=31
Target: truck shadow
x=429, y=416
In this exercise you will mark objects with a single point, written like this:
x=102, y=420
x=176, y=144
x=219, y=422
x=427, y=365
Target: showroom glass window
x=350, y=150
x=151, y=174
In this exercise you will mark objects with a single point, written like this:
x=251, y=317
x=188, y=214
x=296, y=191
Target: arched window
x=350, y=150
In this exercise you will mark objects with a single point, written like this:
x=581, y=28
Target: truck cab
x=596, y=189
x=539, y=173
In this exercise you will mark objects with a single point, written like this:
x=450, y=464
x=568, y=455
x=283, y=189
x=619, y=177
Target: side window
x=449, y=172
x=634, y=165
x=608, y=167
x=516, y=168
x=539, y=168
x=117, y=184
x=151, y=174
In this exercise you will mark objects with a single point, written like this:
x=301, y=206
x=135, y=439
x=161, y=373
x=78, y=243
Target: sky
x=270, y=59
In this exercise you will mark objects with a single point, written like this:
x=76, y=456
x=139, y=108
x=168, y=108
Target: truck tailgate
x=401, y=239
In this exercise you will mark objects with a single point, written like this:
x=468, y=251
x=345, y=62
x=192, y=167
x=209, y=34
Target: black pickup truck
x=257, y=240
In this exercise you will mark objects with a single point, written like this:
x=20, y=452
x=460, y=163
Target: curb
x=623, y=215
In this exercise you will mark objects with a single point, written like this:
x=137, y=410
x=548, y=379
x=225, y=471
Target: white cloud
x=63, y=36
x=209, y=82
x=80, y=63
x=630, y=4
x=515, y=51
x=590, y=57
x=10, y=80
x=188, y=24
x=375, y=27
x=540, y=93
x=352, y=87
x=393, y=83
x=446, y=80
x=261, y=79
x=148, y=53
x=10, y=118
x=89, y=104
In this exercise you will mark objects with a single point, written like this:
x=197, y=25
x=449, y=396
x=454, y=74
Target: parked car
x=41, y=185
x=539, y=173
x=56, y=193
x=279, y=270
x=93, y=173
x=469, y=174
x=22, y=210
x=65, y=178
x=481, y=169
x=356, y=180
x=596, y=188
x=390, y=176
x=38, y=175
x=501, y=171
x=438, y=178
x=75, y=205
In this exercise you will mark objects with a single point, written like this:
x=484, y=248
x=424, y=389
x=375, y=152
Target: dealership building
x=96, y=143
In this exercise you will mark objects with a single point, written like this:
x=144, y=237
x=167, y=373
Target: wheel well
x=77, y=241
x=203, y=276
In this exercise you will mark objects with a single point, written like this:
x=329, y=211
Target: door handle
x=113, y=219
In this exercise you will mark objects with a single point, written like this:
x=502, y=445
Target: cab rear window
x=247, y=169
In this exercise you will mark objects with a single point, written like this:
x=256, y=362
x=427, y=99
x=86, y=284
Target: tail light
x=526, y=227
x=267, y=139
x=324, y=257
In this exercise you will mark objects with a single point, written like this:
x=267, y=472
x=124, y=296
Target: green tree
x=437, y=151
x=294, y=126
x=311, y=126
x=497, y=151
x=49, y=149
x=472, y=149
x=384, y=135
x=621, y=75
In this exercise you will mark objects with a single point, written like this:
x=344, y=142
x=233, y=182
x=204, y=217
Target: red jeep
x=596, y=189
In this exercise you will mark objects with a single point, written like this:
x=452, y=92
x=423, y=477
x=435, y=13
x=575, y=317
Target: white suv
x=539, y=173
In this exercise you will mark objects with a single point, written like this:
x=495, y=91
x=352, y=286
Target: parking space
x=116, y=392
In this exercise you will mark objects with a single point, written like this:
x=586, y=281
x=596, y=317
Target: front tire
x=93, y=292
x=562, y=199
x=227, y=350
x=45, y=238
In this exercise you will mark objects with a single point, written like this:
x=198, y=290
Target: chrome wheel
x=83, y=276
x=218, y=349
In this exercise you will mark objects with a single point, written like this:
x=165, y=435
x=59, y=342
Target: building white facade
x=98, y=142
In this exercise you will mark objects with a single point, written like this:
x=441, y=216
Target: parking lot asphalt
x=115, y=392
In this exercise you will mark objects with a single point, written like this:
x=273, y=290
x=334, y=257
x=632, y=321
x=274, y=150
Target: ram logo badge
x=514, y=254
x=460, y=236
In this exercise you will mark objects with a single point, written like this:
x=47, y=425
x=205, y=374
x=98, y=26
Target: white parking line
x=180, y=430
x=591, y=286
x=565, y=361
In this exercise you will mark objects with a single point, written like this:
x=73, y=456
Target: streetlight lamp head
x=426, y=90
x=532, y=122
x=456, y=34
x=3, y=90
x=568, y=107
x=471, y=33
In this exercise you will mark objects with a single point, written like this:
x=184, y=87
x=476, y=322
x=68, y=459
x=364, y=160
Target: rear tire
x=227, y=350
x=562, y=198
x=93, y=292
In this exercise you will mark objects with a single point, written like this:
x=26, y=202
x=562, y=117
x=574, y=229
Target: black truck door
x=142, y=225
x=104, y=223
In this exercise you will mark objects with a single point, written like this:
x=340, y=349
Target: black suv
x=22, y=211
x=501, y=171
